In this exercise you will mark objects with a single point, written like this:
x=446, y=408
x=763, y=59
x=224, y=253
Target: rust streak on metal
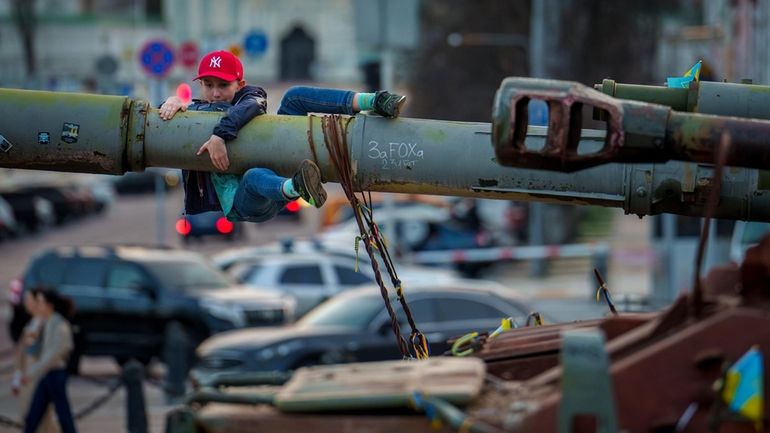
x=310, y=139
x=724, y=150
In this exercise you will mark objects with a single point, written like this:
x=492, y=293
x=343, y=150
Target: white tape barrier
x=509, y=253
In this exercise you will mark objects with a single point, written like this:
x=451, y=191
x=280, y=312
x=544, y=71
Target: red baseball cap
x=220, y=64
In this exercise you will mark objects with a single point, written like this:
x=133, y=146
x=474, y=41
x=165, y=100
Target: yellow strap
x=400, y=291
x=467, y=338
x=505, y=325
x=355, y=246
x=465, y=427
x=421, y=348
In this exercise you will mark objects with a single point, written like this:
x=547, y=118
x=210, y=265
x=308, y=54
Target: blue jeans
x=259, y=196
x=52, y=388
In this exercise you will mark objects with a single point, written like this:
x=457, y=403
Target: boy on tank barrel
x=259, y=194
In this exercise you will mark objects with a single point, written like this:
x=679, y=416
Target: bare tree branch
x=26, y=23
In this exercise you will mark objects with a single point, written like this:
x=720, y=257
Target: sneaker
x=307, y=182
x=388, y=104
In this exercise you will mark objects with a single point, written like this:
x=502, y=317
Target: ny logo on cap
x=215, y=62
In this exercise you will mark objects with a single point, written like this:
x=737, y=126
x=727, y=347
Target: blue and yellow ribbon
x=743, y=388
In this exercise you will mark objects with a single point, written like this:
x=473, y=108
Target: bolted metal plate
x=586, y=385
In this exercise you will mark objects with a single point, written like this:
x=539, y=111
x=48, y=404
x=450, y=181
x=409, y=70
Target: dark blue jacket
x=250, y=102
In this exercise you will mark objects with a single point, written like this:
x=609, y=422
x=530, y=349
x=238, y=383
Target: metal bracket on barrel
x=565, y=104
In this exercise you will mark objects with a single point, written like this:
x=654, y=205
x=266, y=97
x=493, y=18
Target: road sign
x=189, y=54
x=157, y=58
x=255, y=43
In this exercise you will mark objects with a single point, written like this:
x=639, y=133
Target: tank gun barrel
x=705, y=97
x=112, y=135
x=635, y=131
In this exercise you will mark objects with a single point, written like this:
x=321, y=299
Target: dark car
x=9, y=227
x=146, y=181
x=208, y=224
x=67, y=203
x=127, y=298
x=354, y=326
x=421, y=227
x=31, y=211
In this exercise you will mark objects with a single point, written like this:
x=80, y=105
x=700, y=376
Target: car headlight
x=280, y=351
x=229, y=312
x=266, y=354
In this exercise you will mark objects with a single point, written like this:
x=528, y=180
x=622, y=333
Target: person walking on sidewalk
x=28, y=351
x=56, y=345
x=259, y=194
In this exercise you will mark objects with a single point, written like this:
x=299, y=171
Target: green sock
x=288, y=189
x=366, y=101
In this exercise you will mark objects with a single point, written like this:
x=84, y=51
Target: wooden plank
x=385, y=384
x=224, y=418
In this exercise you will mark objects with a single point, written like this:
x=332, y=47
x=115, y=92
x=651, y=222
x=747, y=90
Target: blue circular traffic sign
x=255, y=43
x=157, y=58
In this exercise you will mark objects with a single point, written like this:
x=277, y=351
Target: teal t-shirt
x=226, y=184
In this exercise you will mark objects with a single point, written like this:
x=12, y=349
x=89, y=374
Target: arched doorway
x=297, y=55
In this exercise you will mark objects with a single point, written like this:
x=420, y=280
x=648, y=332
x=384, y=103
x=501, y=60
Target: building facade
x=95, y=45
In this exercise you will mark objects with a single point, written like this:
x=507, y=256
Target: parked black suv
x=127, y=298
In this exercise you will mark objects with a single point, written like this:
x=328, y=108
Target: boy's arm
x=170, y=106
x=252, y=103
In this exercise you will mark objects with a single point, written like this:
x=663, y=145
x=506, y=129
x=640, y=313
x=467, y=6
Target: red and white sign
x=189, y=54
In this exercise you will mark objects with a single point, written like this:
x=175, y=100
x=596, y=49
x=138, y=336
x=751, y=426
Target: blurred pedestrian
x=259, y=194
x=28, y=351
x=56, y=345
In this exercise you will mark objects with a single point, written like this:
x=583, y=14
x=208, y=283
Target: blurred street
x=566, y=293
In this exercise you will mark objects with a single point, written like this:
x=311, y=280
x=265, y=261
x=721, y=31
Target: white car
x=226, y=259
x=310, y=278
x=313, y=275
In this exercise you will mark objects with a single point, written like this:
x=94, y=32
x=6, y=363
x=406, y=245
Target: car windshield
x=188, y=275
x=353, y=312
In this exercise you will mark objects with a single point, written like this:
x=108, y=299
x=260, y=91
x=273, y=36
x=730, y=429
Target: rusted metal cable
x=334, y=128
x=419, y=343
x=605, y=291
x=721, y=157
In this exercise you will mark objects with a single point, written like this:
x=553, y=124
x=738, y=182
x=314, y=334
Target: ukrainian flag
x=743, y=388
x=684, y=81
